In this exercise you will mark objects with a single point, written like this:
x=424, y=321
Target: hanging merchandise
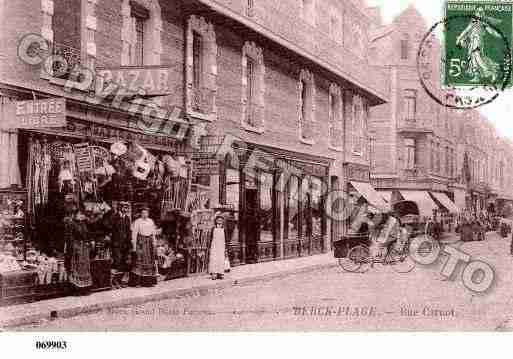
x=39, y=165
x=172, y=166
x=182, y=167
x=84, y=157
x=118, y=148
x=140, y=160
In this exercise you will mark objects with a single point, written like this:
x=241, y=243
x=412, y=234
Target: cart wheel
x=355, y=260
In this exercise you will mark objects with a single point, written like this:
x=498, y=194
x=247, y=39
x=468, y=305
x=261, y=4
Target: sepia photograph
x=236, y=166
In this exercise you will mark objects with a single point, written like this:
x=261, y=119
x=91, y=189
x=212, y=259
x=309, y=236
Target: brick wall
x=67, y=15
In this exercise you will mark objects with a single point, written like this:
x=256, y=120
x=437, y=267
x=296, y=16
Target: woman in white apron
x=216, y=263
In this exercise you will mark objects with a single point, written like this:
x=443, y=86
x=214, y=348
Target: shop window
x=447, y=162
x=253, y=88
x=201, y=70
x=306, y=114
x=336, y=121
x=358, y=115
x=410, y=105
x=266, y=207
x=438, y=158
x=411, y=153
x=141, y=33
x=232, y=188
x=292, y=210
x=316, y=207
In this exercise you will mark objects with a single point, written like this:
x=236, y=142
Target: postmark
x=473, y=65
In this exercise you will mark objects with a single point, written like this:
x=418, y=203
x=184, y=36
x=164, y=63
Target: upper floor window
x=410, y=105
x=358, y=124
x=141, y=33
x=308, y=11
x=306, y=106
x=139, y=16
x=201, y=70
x=336, y=121
x=335, y=26
x=253, y=87
x=250, y=8
x=411, y=153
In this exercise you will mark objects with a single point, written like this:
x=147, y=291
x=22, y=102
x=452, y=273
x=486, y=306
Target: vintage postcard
x=234, y=166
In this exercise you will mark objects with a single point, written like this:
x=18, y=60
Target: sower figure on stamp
x=121, y=241
x=144, y=271
x=472, y=38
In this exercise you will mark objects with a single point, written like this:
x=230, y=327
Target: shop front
x=363, y=201
x=275, y=199
x=106, y=172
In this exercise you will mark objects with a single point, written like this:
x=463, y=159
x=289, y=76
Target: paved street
x=329, y=299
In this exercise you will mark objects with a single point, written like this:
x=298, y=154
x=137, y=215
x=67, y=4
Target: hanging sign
x=205, y=166
x=35, y=114
x=84, y=158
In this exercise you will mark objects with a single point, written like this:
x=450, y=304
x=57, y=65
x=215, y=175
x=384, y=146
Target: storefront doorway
x=251, y=226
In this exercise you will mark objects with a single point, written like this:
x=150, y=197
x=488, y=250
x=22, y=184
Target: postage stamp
x=477, y=43
x=472, y=66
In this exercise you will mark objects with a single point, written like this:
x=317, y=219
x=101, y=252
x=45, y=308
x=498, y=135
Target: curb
x=197, y=291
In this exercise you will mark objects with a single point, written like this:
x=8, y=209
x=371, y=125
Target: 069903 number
x=50, y=345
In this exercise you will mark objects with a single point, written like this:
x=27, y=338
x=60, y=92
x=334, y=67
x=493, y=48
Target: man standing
x=121, y=239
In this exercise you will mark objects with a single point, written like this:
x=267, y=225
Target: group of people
x=132, y=245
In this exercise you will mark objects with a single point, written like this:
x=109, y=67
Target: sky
x=499, y=111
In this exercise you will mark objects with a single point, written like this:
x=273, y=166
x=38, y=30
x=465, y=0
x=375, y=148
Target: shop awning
x=424, y=201
x=446, y=202
x=371, y=195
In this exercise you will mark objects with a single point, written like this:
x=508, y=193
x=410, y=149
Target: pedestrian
x=144, y=271
x=216, y=262
x=121, y=242
x=78, y=251
x=511, y=245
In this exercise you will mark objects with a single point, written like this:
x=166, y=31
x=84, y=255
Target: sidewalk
x=23, y=314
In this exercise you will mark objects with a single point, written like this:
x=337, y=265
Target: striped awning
x=423, y=200
x=371, y=195
x=446, y=202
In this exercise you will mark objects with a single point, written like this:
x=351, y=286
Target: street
x=327, y=300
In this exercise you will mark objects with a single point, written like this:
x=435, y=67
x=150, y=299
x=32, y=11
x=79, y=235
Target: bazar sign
x=35, y=114
x=150, y=81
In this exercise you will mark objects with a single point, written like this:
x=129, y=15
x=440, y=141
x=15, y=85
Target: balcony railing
x=416, y=125
x=415, y=173
x=66, y=58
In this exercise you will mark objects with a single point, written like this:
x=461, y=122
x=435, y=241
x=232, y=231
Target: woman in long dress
x=216, y=263
x=78, y=249
x=144, y=271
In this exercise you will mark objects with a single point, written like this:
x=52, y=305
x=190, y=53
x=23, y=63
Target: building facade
x=420, y=146
x=290, y=82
